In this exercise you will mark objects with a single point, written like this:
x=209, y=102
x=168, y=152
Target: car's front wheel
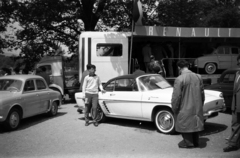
x=164, y=121
x=210, y=68
x=13, y=119
x=100, y=115
x=54, y=109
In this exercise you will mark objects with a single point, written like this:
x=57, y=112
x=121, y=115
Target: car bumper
x=213, y=113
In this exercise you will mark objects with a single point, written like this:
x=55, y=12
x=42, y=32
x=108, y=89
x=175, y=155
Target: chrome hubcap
x=14, y=120
x=165, y=121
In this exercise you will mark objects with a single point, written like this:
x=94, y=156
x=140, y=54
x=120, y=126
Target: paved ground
x=66, y=136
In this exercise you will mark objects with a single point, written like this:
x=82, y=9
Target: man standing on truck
x=84, y=74
x=90, y=88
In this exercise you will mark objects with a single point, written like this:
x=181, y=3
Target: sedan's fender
x=56, y=87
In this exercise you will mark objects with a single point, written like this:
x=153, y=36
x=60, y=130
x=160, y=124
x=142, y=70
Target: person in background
x=187, y=105
x=90, y=88
x=234, y=139
x=25, y=71
x=146, y=52
x=84, y=74
x=44, y=74
x=16, y=71
x=155, y=67
x=6, y=71
x=138, y=71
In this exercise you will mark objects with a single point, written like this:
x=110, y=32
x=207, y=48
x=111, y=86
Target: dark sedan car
x=225, y=85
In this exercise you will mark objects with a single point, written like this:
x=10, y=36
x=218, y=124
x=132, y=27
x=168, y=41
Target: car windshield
x=153, y=82
x=10, y=85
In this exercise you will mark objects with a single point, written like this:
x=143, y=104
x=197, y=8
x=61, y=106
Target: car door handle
x=112, y=94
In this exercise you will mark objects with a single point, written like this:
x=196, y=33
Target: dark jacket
x=236, y=93
x=187, y=102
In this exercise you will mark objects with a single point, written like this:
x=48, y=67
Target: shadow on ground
x=212, y=128
x=32, y=121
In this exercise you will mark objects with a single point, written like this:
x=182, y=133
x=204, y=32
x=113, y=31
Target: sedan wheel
x=54, y=109
x=13, y=119
x=210, y=68
x=165, y=122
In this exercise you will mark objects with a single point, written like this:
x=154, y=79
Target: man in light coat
x=187, y=104
x=234, y=140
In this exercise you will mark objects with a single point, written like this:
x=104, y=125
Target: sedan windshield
x=10, y=85
x=153, y=82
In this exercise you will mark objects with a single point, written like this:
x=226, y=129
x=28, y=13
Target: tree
x=7, y=7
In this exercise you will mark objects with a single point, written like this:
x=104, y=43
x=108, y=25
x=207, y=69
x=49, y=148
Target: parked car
x=147, y=98
x=22, y=96
x=223, y=57
x=225, y=85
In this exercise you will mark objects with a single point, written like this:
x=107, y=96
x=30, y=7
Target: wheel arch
x=214, y=62
x=56, y=88
x=159, y=107
x=17, y=106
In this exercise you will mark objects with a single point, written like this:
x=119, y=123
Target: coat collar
x=185, y=71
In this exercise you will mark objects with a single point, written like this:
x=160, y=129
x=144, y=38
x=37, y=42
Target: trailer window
x=106, y=49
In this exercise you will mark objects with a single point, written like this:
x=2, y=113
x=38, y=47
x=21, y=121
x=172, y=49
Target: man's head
x=152, y=57
x=137, y=67
x=182, y=64
x=88, y=66
x=92, y=70
x=16, y=70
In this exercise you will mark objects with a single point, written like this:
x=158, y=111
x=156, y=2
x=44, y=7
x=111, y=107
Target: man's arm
x=100, y=85
x=176, y=96
x=84, y=86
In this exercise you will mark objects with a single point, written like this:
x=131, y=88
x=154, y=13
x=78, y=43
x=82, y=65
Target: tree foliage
x=48, y=24
x=7, y=8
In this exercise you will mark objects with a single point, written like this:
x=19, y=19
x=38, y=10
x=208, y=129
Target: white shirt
x=91, y=84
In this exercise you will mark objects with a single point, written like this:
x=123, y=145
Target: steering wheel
x=13, y=88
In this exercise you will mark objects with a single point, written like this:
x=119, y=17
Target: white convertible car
x=146, y=98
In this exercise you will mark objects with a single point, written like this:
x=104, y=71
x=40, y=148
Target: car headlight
x=221, y=95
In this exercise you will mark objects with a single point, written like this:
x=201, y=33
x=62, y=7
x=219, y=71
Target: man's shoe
x=95, y=124
x=87, y=124
x=80, y=111
x=196, y=144
x=182, y=144
x=230, y=148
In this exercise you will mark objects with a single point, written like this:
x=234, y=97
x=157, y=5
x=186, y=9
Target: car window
x=221, y=50
x=227, y=50
x=8, y=84
x=234, y=50
x=153, y=82
x=124, y=85
x=110, y=86
x=29, y=85
x=110, y=49
x=41, y=84
x=228, y=78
